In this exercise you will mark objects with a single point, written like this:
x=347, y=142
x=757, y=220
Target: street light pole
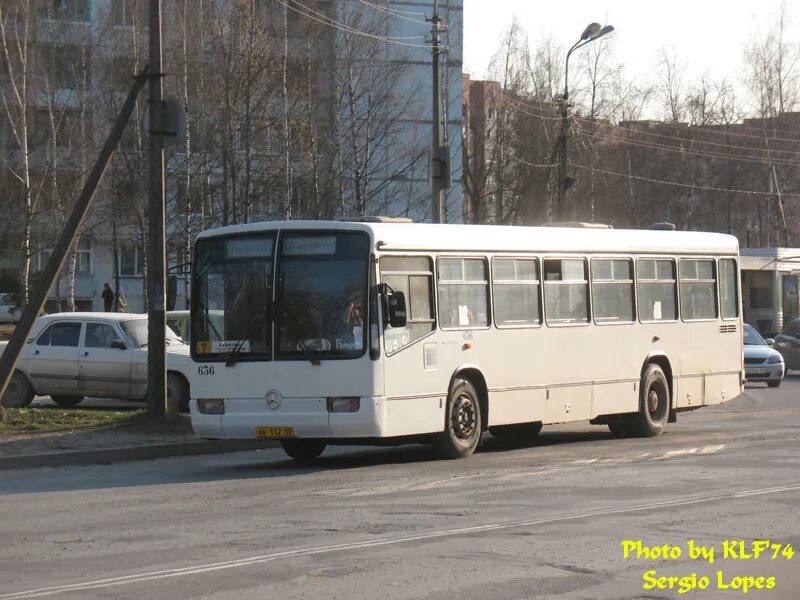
x=592, y=32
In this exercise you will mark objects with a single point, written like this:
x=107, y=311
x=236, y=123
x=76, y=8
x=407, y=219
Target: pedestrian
x=108, y=297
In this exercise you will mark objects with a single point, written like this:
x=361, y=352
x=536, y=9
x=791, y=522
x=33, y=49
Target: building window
x=515, y=284
x=122, y=13
x=698, y=290
x=760, y=286
x=67, y=10
x=612, y=291
x=39, y=260
x=566, y=291
x=83, y=256
x=414, y=277
x=658, y=296
x=131, y=261
x=463, y=293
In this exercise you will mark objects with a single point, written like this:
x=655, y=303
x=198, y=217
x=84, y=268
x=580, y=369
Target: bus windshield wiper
x=231, y=357
x=307, y=352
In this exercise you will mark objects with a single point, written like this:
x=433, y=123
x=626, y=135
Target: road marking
x=688, y=451
x=386, y=541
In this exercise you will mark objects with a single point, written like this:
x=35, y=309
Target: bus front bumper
x=305, y=417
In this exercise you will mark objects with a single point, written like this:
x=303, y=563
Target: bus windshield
x=318, y=310
x=322, y=295
x=232, y=291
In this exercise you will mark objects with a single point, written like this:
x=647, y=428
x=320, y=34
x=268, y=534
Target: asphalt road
x=546, y=520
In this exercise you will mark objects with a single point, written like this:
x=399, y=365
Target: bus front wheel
x=654, y=403
x=303, y=450
x=462, y=428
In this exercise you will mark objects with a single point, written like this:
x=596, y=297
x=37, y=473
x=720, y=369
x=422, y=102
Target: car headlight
x=774, y=360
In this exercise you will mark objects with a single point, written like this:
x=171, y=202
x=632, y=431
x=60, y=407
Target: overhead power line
x=395, y=13
x=325, y=20
x=713, y=130
x=679, y=184
x=702, y=153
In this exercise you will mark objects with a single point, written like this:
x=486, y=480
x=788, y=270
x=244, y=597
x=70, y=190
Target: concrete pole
x=156, y=254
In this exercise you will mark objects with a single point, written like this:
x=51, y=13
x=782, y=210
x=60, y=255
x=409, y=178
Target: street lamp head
x=590, y=31
x=601, y=32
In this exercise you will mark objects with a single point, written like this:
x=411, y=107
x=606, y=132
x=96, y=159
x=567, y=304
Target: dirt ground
x=5, y=332
x=177, y=431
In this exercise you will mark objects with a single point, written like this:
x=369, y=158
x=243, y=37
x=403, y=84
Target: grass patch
x=48, y=420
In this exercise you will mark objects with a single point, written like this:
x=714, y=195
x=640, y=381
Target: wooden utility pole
x=438, y=163
x=781, y=213
x=156, y=254
x=8, y=359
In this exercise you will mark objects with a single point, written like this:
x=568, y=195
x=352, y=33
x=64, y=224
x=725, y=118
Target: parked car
x=72, y=355
x=761, y=362
x=788, y=344
x=178, y=321
x=9, y=311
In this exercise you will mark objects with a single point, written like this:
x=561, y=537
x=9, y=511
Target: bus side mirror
x=394, y=305
x=397, y=309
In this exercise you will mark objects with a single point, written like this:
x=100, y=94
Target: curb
x=115, y=455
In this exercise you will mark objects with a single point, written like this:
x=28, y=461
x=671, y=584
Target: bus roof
x=506, y=238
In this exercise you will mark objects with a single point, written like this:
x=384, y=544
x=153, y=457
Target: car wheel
x=774, y=384
x=304, y=451
x=177, y=392
x=518, y=432
x=462, y=428
x=67, y=401
x=654, y=405
x=19, y=392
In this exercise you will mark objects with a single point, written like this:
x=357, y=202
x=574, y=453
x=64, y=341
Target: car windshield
x=136, y=330
x=752, y=337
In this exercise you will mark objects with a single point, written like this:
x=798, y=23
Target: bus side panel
x=412, y=416
x=415, y=396
x=515, y=406
x=568, y=403
x=721, y=388
x=614, y=398
x=689, y=391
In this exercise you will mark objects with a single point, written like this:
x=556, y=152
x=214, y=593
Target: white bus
x=385, y=332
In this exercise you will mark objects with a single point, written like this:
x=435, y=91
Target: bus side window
x=463, y=293
x=657, y=290
x=566, y=291
x=412, y=275
x=698, y=289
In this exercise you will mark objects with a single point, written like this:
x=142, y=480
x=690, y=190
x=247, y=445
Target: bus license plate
x=274, y=432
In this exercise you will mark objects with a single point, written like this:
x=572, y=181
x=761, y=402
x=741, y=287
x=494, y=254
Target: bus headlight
x=211, y=406
x=343, y=405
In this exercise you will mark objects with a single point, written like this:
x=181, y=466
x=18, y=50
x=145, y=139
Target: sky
x=706, y=34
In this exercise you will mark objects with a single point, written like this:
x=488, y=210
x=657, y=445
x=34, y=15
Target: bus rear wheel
x=462, y=428
x=654, y=404
x=304, y=451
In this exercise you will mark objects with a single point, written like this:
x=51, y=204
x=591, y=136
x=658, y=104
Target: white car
x=761, y=361
x=72, y=355
x=9, y=311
